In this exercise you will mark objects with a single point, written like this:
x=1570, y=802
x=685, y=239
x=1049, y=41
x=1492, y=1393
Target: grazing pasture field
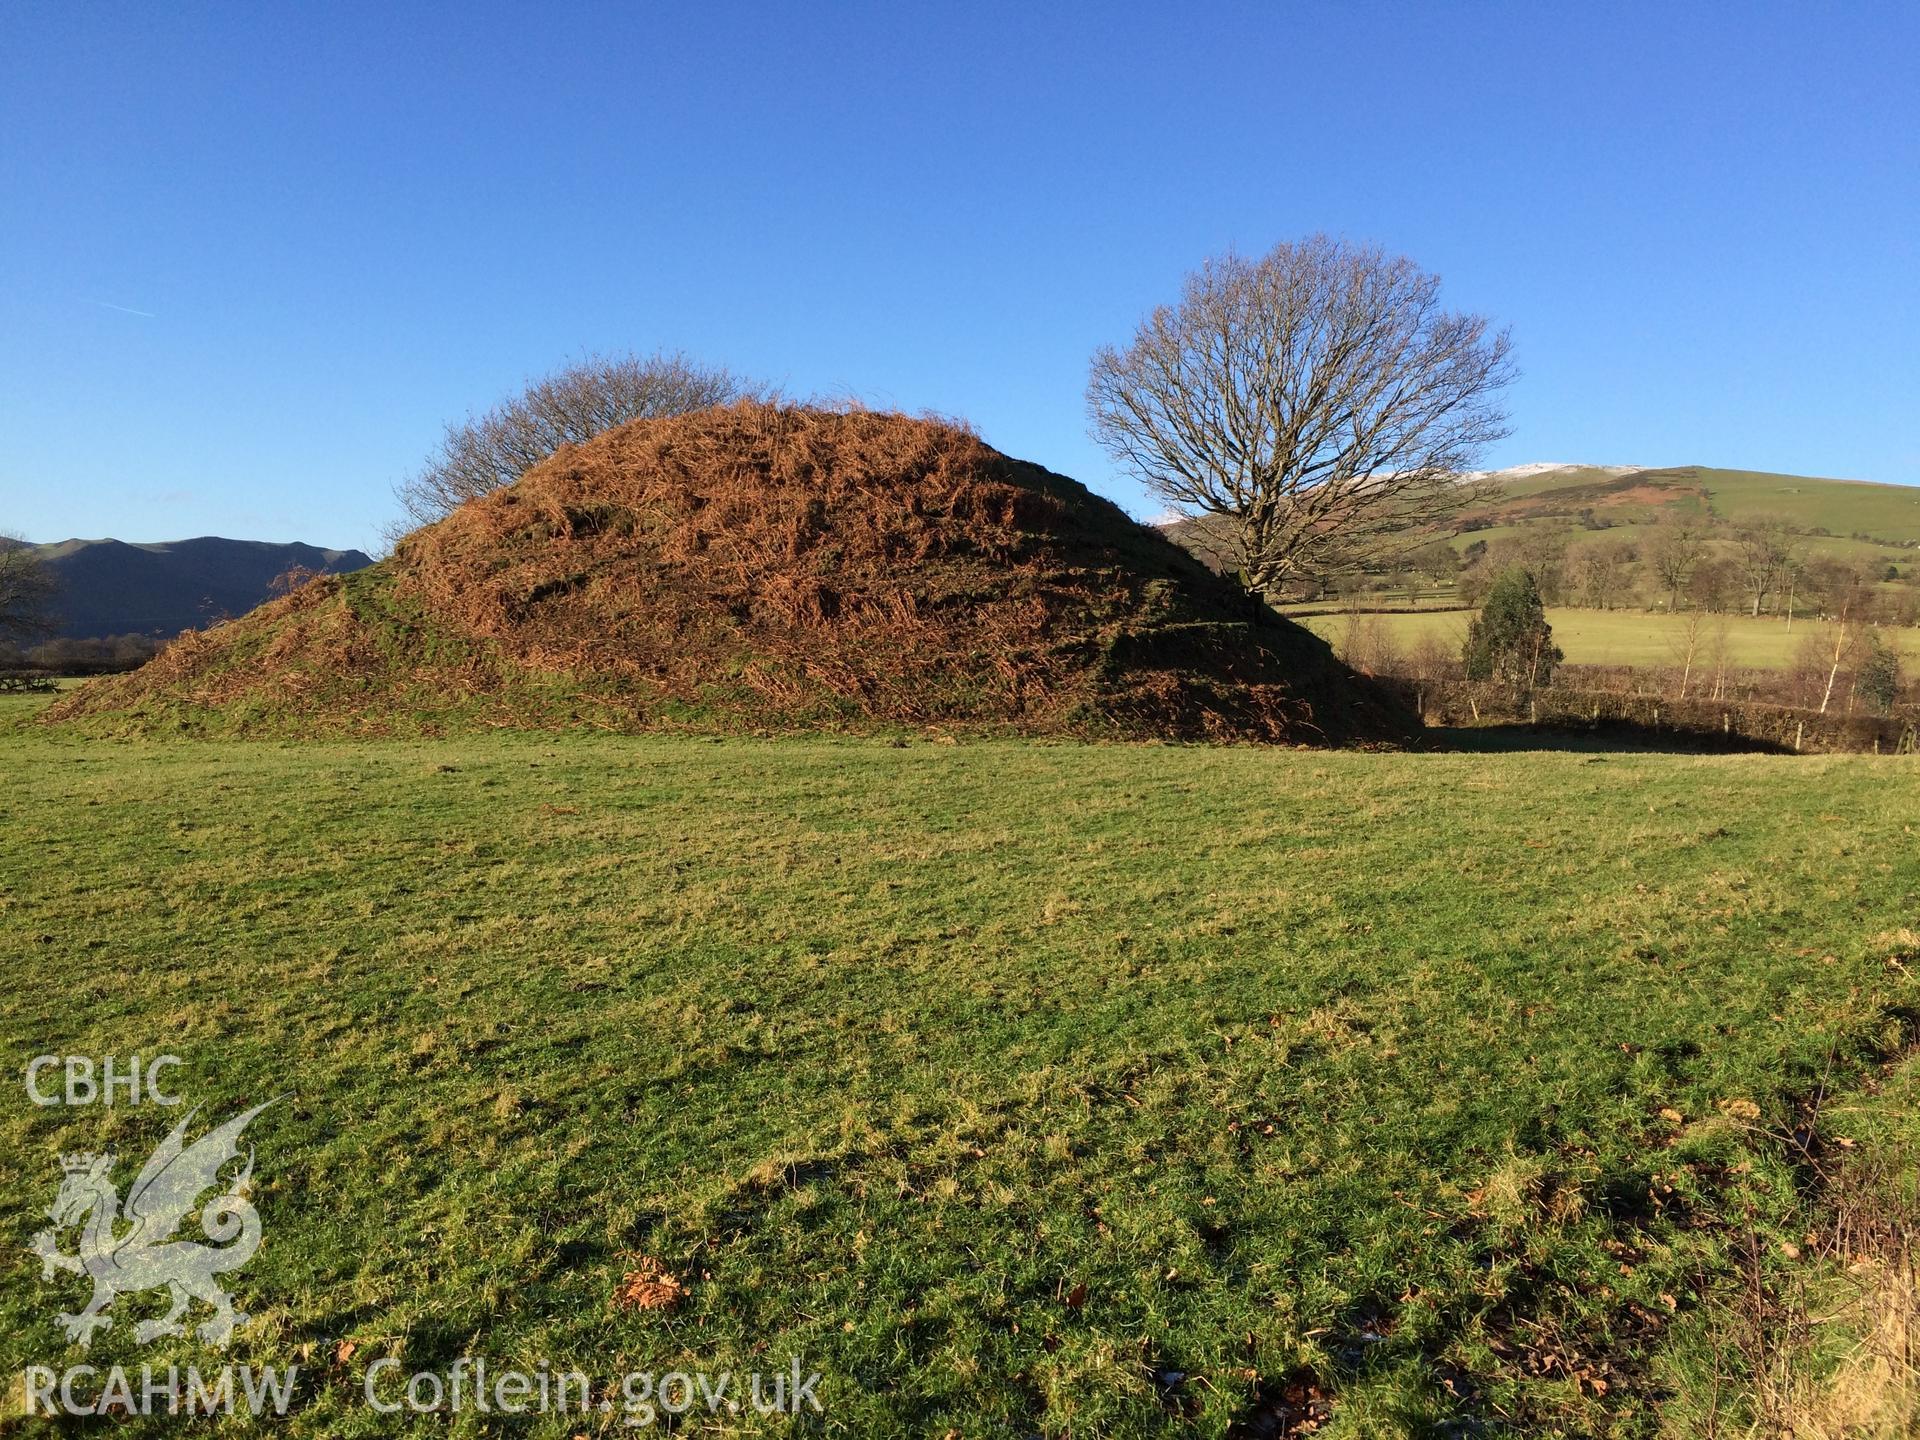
x=1626, y=637
x=1016, y=1088
x=1843, y=507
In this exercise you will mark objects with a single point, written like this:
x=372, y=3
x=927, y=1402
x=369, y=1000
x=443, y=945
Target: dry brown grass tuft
x=1832, y=1351
x=649, y=1286
x=1874, y=1391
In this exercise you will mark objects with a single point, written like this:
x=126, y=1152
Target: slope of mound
x=760, y=567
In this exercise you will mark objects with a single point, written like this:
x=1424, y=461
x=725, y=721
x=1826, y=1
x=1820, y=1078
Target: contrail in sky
x=123, y=309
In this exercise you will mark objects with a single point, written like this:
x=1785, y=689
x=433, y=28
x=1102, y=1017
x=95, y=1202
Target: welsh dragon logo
x=147, y=1256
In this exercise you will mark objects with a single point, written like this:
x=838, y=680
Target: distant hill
x=1856, y=520
x=1866, y=520
x=109, y=587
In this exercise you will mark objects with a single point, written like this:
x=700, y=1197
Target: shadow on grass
x=1606, y=737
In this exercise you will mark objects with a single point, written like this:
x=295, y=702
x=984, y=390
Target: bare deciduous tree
x=1698, y=642
x=1838, y=638
x=27, y=589
x=1438, y=561
x=1369, y=645
x=1720, y=655
x=1318, y=398
x=1431, y=658
x=1848, y=593
x=1603, y=569
x=572, y=405
x=1541, y=553
x=1838, y=587
x=1767, y=549
x=1677, y=547
x=1713, y=583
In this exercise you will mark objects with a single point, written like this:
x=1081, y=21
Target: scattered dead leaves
x=648, y=1286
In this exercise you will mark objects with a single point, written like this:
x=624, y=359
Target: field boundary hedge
x=1754, y=724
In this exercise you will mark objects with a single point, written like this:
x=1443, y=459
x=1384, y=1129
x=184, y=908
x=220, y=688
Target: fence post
x=1799, y=731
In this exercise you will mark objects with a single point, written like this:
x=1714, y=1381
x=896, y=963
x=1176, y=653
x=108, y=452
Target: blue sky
x=328, y=229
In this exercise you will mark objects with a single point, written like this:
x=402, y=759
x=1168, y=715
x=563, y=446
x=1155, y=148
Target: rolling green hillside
x=1856, y=519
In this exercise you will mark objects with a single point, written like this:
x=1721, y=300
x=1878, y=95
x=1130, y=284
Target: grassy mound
x=761, y=567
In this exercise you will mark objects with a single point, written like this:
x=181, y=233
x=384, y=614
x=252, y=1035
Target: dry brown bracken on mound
x=768, y=567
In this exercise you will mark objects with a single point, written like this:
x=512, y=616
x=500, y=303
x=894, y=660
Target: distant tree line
x=99, y=656
x=1843, y=665
x=1759, y=567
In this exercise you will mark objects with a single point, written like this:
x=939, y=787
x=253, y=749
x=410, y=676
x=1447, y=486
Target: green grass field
x=1015, y=1088
x=1625, y=637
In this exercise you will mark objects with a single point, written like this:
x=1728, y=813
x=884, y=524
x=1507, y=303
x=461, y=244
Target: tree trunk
x=1839, y=648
